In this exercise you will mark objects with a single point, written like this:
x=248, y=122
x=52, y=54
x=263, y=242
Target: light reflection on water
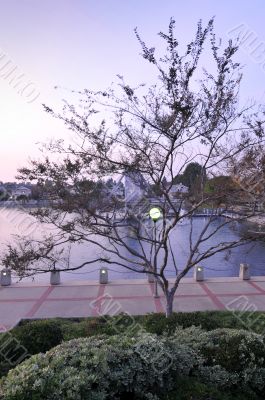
x=13, y=221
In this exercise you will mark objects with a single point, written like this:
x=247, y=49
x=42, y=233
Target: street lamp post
x=155, y=214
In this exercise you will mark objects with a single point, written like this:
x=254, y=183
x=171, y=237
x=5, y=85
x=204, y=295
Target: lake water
x=13, y=221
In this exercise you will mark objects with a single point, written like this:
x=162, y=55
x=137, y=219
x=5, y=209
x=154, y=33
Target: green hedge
x=207, y=320
x=39, y=336
x=157, y=323
x=191, y=364
x=191, y=389
x=42, y=335
x=106, y=368
x=232, y=358
x=26, y=340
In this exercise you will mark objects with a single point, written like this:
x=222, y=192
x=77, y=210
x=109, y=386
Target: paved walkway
x=88, y=298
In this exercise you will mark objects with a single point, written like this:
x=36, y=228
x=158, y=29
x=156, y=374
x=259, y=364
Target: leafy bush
x=145, y=366
x=25, y=340
x=232, y=358
x=191, y=389
x=157, y=323
x=39, y=336
x=115, y=367
x=208, y=320
x=235, y=350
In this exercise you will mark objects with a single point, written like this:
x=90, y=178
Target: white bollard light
x=55, y=278
x=244, y=272
x=103, y=276
x=198, y=273
x=5, y=278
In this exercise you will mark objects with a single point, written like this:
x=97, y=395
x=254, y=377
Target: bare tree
x=248, y=171
x=149, y=134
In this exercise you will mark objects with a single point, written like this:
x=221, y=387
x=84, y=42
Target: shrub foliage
x=101, y=368
x=144, y=366
x=148, y=357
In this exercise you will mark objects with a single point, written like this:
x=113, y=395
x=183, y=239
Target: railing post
x=198, y=273
x=55, y=278
x=244, y=272
x=103, y=276
x=5, y=277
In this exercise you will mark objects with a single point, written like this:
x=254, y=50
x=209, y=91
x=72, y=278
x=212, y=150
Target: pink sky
x=84, y=43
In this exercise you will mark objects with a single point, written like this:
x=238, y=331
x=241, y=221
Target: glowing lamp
x=5, y=277
x=155, y=213
x=198, y=273
x=103, y=276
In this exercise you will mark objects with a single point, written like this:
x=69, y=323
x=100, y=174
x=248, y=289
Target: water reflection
x=221, y=264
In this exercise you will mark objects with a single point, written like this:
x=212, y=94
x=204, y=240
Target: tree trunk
x=169, y=305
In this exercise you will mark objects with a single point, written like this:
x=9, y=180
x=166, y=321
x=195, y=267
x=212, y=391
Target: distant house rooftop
x=20, y=191
x=179, y=188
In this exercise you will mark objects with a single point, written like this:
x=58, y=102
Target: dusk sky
x=77, y=44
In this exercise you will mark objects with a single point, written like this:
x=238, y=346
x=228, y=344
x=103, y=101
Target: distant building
x=178, y=189
x=136, y=187
x=20, y=191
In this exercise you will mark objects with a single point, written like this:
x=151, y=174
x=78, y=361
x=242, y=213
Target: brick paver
x=134, y=297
